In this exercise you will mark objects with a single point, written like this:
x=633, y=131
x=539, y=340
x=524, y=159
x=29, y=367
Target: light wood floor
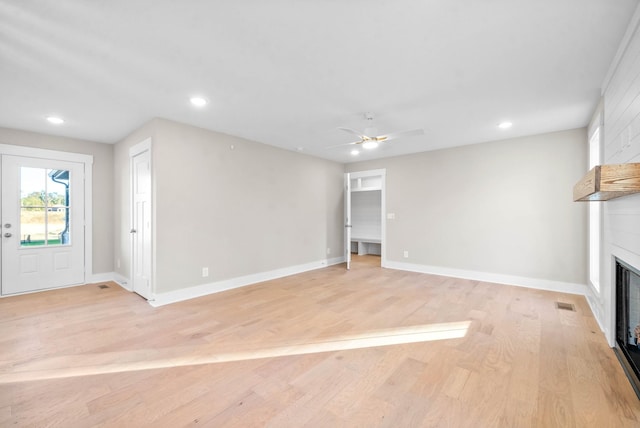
x=311, y=350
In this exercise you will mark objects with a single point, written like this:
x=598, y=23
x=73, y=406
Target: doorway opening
x=365, y=208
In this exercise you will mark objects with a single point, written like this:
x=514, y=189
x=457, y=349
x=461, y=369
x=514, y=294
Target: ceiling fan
x=369, y=138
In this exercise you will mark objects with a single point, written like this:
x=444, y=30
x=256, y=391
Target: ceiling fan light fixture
x=355, y=152
x=55, y=120
x=198, y=101
x=370, y=144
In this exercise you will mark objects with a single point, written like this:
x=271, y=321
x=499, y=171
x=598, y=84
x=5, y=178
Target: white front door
x=347, y=221
x=43, y=224
x=141, y=223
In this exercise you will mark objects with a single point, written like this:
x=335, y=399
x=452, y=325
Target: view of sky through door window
x=44, y=207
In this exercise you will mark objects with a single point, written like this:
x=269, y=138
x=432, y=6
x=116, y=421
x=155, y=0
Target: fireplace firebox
x=627, y=345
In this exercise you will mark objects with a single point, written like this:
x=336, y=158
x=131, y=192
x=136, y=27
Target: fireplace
x=627, y=346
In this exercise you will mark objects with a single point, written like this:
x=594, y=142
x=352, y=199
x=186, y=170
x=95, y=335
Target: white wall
x=499, y=211
x=235, y=206
x=102, y=185
x=621, y=229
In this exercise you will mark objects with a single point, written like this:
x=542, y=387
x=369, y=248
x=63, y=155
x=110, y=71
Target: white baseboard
x=110, y=276
x=101, y=277
x=122, y=281
x=162, y=299
x=520, y=281
x=596, y=310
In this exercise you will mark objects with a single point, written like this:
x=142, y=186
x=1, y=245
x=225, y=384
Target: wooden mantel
x=606, y=182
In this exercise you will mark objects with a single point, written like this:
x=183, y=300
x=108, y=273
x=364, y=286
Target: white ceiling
x=289, y=72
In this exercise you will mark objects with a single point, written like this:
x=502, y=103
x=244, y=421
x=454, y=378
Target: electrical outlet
x=391, y=216
x=118, y=263
x=406, y=254
x=205, y=272
x=328, y=251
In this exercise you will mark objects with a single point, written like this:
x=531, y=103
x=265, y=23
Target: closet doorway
x=365, y=229
x=141, y=219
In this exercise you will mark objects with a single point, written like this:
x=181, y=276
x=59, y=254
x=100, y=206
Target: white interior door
x=43, y=224
x=347, y=221
x=141, y=223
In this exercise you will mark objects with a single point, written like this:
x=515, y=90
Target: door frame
x=382, y=173
x=347, y=219
x=135, y=150
x=87, y=160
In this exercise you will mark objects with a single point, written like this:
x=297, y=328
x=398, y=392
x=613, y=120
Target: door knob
x=7, y=235
x=7, y=225
x=132, y=231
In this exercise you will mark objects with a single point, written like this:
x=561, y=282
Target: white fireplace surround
x=621, y=144
x=607, y=301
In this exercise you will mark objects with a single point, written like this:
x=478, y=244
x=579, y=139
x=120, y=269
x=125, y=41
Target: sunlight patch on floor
x=95, y=364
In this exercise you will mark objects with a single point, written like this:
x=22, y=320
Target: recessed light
x=198, y=101
x=55, y=120
x=370, y=144
x=505, y=125
x=355, y=152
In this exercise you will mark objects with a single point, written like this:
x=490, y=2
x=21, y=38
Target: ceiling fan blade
x=344, y=144
x=399, y=134
x=351, y=131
